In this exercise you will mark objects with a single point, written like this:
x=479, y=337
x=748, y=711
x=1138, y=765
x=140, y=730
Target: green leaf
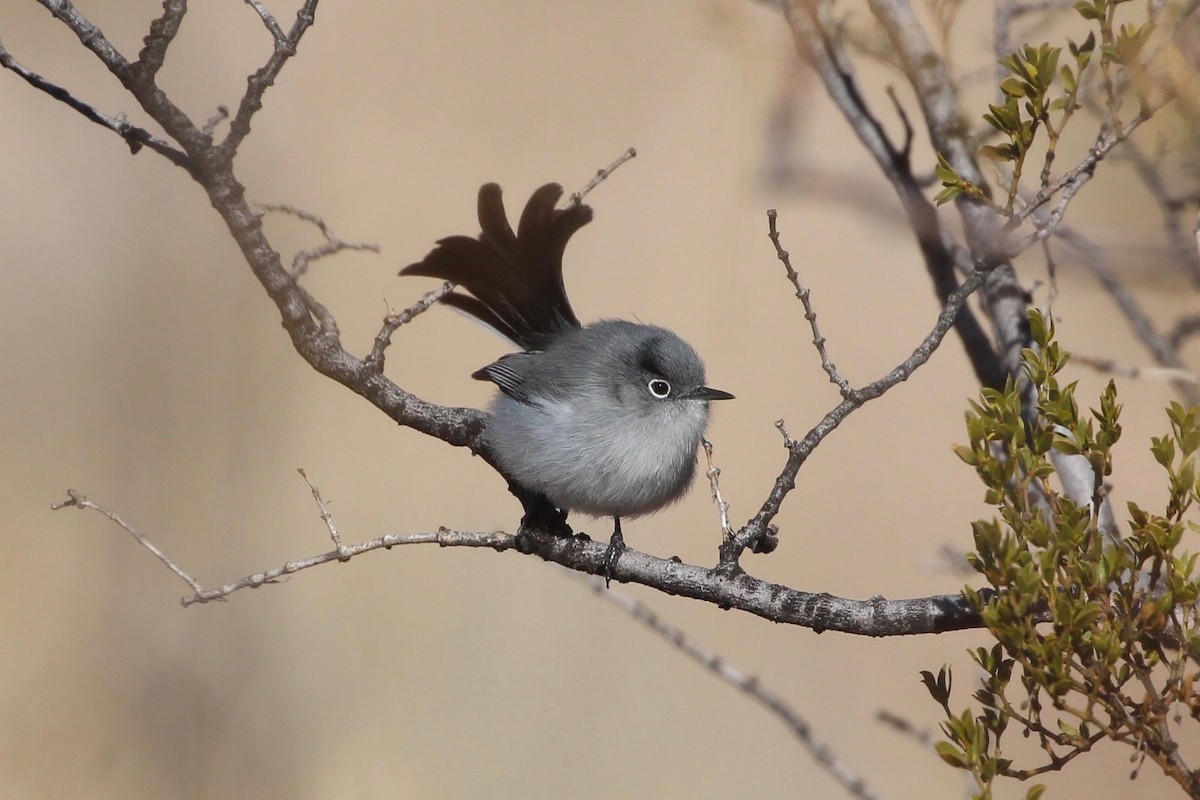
x=952, y=755
x=1087, y=10
x=946, y=195
x=944, y=172
x=1013, y=87
x=1001, y=152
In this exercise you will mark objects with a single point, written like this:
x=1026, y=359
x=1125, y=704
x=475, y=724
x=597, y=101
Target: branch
x=374, y=360
x=1070, y=183
x=601, y=176
x=1164, y=350
x=818, y=611
x=809, y=314
x=137, y=79
x=135, y=137
x=260, y=81
x=822, y=48
x=1182, y=242
x=749, y=684
x=333, y=244
x=162, y=33
x=1109, y=366
x=713, y=473
x=81, y=502
x=1003, y=298
x=800, y=450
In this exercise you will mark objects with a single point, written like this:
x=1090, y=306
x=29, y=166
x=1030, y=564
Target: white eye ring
x=659, y=388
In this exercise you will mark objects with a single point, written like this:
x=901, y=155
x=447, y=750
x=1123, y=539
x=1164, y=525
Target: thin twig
x=443, y=536
x=301, y=261
x=809, y=314
x=1071, y=181
x=81, y=502
x=788, y=441
x=853, y=783
x=1164, y=350
x=374, y=359
x=269, y=20
x=264, y=77
x=921, y=736
x=799, y=451
x=713, y=473
x=134, y=137
x=1109, y=366
x=333, y=244
x=905, y=149
x=601, y=174
x=323, y=508
x=216, y=119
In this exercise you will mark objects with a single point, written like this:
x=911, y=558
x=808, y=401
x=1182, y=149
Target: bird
x=603, y=419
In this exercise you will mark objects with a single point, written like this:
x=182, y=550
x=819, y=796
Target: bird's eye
x=659, y=388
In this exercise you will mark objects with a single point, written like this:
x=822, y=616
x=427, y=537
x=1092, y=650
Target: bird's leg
x=616, y=545
x=539, y=511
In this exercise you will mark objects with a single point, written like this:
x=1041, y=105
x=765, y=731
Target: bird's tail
x=515, y=280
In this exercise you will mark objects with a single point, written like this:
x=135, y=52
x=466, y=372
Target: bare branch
x=1184, y=329
x=134, y=136
x=873, y=617
x=713, y=473
x=921, y=736
x=1110, y=366
x=333, y=244
x=1070, y=183
x=1164, y=350
x=162, y=33
x=442, y=536
x=824, y=50
x=326, y=517
x=91, y=37
x=261, y=80
x=799, y=451
x=81, y=502
x=1003, y=298
x=853, y=783
x=374, y=360
x=809, y=314
x=600, y=176
x=152, y=99
x=1182, y=242
x=269, y=20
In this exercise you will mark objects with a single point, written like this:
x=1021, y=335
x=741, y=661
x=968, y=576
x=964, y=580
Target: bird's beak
x=707, y=393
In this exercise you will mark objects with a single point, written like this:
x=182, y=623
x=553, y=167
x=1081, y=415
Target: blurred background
x=145, y=367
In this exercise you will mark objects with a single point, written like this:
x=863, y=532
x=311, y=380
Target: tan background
x=144, y=366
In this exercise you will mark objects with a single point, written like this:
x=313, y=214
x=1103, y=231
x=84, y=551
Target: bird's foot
x=616, y=546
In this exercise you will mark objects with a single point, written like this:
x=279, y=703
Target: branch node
x=373, y=363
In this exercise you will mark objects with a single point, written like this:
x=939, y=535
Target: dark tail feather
x=515, y=280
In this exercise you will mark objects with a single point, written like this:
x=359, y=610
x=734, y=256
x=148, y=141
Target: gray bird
x=604, y=419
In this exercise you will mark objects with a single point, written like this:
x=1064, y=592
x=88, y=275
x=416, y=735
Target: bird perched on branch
x=604, y=418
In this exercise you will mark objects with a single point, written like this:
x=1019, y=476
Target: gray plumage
x=604, y=419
